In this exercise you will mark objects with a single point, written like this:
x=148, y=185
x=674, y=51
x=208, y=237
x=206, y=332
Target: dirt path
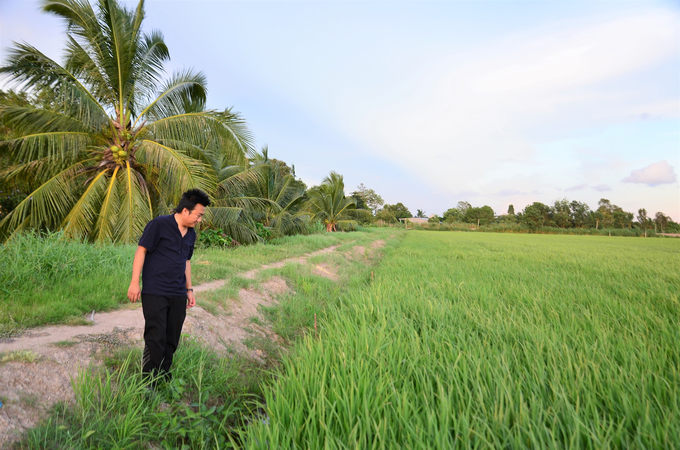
x=28, y=389
x=130, y=318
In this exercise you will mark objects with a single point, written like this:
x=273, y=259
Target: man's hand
x=134, y=292
x=191, y=300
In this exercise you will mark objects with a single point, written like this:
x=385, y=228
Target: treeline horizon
x=562, y=214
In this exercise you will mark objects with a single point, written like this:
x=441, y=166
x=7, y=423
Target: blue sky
x=430, y=103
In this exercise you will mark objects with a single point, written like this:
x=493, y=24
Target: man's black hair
x=191, y=198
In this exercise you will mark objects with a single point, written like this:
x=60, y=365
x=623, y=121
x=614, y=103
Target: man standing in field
x=163, y=259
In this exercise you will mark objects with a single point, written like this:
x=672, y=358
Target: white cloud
x=472, y=118
x=602, y=187
x=653, y=175
x=579, y=187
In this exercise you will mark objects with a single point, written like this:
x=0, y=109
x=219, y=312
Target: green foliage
x=267, y=193
x=367, y=198
x=213, y=237
x=48, y=278
x=483, y=215
x=327, y=203
x=197, y=409
x=536, y=215
x=398, y=210
x=262, y=231
x=468, y=340
x=453, y=215
x=386, y=216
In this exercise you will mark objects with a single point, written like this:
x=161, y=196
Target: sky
x=433, y=102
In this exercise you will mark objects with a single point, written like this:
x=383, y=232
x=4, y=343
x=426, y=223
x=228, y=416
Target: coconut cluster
x=120, y=150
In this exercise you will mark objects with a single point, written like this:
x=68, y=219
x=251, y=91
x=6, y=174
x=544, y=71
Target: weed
x=26, y=356
x=29, y=399
x=66, y=344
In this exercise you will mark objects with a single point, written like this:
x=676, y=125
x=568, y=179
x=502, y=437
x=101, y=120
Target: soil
x=29, y=389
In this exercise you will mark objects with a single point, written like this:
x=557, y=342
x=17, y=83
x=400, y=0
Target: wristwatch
x=190, y=289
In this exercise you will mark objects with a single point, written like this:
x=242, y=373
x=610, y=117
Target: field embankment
x=467, y=340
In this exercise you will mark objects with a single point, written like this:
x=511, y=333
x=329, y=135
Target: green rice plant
x=476, y=340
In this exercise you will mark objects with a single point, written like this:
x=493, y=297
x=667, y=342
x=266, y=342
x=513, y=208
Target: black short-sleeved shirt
x=167, y=253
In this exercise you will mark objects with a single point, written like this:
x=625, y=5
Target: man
x=163, y=259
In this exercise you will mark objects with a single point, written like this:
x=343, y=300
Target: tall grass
x=47, y=279
x=198, y=409
x=469, y=340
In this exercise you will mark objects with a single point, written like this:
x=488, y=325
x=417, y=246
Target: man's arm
x=134, y=291
x=190, y=293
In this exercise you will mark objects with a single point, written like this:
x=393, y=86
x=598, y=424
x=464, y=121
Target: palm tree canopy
x=327, y=202
x=268, y=191
x=113, y=144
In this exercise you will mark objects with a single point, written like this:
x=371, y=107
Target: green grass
x=469, y=340
x=49, y=280
x=211, y=396
x=26, y=356
x=198, y=408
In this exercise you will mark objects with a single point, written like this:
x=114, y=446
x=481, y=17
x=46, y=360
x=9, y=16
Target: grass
x=48, y=280
x=66, y=344
x=26, y=356
x=197, y=409
x=467, y=340
x=211, y=397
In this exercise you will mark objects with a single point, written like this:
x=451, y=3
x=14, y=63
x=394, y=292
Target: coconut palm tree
x=113, y=144
x=270, y=195
x=327, y=202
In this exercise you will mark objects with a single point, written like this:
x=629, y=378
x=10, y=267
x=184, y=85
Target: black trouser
x=163, y=317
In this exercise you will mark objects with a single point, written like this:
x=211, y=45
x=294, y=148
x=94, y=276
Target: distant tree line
x=562, y=214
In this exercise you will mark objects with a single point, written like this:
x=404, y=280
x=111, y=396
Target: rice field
x=480, y=340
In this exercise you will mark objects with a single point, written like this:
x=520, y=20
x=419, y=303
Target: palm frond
x=30, y=119
x=65, y=146
x=153, y=53
x=81, y=219
x=32, y=70
x=177, y=172
x=135, y=210
x=183, y=93
x=205, y=127
x=234, y=222
x=105, y=228
x=46, y=206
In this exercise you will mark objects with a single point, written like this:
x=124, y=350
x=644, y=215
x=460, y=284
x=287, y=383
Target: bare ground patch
x=228, y=331
x=326, y=271
x=29, y=389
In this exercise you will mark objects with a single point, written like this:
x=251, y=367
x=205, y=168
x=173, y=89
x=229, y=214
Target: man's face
x=191, y=218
